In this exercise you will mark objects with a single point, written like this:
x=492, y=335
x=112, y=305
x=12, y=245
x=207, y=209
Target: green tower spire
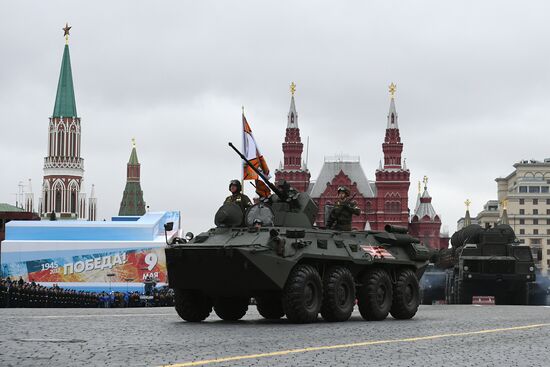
x=65, y=103
x=132, y=199
x=133, y=156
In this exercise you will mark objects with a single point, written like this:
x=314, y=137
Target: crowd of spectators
x=18, y=293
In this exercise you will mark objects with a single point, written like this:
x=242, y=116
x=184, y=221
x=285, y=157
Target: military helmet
x=236, y=183
x=343, y=189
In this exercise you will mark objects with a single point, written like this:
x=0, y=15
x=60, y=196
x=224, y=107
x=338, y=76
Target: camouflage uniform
x=341, y=215
x=238, y=198
x=241, y=200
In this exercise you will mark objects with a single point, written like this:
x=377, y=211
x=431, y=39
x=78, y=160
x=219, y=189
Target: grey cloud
x=471, y=76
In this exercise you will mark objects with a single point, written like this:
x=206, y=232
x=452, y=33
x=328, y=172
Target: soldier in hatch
x=237, y=197
x=341, y=214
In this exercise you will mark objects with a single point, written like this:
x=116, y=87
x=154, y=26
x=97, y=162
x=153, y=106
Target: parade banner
x=113, y=265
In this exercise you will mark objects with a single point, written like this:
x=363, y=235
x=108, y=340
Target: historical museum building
x=62, y=188
x=293, y=170
x=382, y=201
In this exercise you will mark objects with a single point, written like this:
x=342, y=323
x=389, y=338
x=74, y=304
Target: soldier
x=341, y=214
x=237, y=197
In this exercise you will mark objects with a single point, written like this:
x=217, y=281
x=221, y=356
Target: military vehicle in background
x=291, y=267
x=487, y=262
x=432, y=285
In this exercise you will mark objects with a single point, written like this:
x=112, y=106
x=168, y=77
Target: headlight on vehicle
x=531, y=268
x=466, y=268
x=528, y=276
x=469, y=276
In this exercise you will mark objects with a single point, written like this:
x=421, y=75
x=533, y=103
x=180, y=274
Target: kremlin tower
x=62, y=192
x=293, y=170
x=132, y=199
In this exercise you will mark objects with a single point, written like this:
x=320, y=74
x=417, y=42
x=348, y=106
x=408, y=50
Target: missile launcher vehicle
x=487, y=262
x=290, y=267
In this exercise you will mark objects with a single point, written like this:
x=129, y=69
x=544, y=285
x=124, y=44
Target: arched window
x=73, y=201
x=58, y=200
x=45, y=204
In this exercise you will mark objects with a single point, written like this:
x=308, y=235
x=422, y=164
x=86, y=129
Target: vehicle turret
x=289, y=207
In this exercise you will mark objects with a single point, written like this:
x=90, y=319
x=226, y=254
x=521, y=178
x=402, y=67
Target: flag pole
x=242, y=165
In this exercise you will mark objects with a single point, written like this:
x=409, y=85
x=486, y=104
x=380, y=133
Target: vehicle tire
x=303, y=294
x=463, y=293
x=191, y=305
x=406, y=295
x=270, y=307
x=448, y=289
x=338, y=294
x=521, y=295
x=375, y=295
x=231, y=308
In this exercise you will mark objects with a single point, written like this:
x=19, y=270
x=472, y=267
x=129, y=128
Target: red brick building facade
x=382, y=201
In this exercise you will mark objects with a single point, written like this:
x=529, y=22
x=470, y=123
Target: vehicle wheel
x=463, y=293
x=303, y=294
x=406, y=295
x=521, y=295
x=338, y=294
x=192, y=306
x=231, y=308
x=375, y=295
x=270, y=307
x=448, y=289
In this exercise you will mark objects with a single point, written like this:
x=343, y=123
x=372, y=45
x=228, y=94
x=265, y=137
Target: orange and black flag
x=252, y=153
x=262, y=189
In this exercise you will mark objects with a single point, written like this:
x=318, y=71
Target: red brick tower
x=293, y=170
x=392, y=179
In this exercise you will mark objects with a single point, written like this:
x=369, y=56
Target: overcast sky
x=472, y=91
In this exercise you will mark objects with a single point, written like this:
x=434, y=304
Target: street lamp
x=110, y=275
x=128, y=280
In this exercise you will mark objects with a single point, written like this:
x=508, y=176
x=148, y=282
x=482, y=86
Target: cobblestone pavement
x=437, y=336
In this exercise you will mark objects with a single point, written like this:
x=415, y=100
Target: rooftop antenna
x=307, y=152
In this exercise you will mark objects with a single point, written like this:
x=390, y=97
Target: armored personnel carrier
x=291, y=267
x=487, y=262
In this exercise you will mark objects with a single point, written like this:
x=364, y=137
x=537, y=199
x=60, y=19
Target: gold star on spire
x=425, y=180
x=66, y=32
x=467, y=202
x=504, y=204
x=292, y=88
x=392, y=89
x=133, y=142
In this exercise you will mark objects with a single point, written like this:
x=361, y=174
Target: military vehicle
x=432, y=285
x=487, y=262
x=290, y=267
